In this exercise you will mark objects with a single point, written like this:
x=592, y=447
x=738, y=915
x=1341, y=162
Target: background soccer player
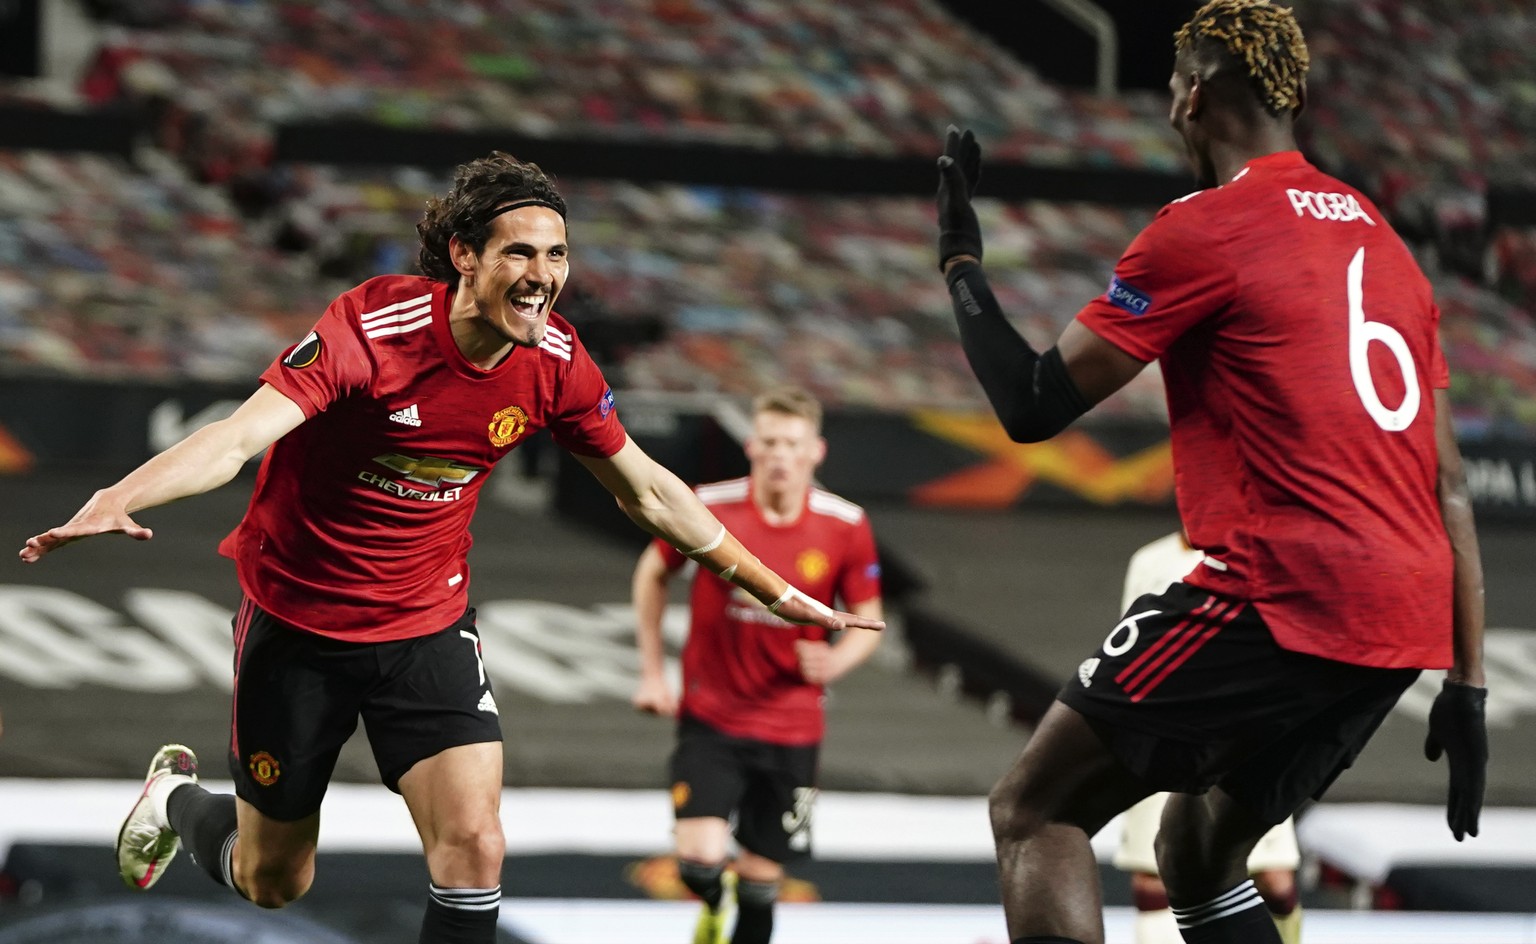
x=750, y=725
x=1274, y=860
x=383, y=425
x=1316, y=470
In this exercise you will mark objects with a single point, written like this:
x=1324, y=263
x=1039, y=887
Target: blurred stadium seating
x=151, y=274
x=160, y=274
x=857, y=78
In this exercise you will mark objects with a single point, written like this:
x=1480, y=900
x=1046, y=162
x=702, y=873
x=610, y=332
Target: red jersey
x=740, y=673
x=359, y=524
x=1298, y=343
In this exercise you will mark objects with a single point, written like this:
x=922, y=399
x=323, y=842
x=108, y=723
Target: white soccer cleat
x=146, y=844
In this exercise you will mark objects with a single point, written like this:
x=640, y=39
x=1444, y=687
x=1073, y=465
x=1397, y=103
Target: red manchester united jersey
x=740, y=673
x=359, y=524
x=1298, y=342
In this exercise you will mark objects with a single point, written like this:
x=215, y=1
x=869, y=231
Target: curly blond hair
x=1264, y=39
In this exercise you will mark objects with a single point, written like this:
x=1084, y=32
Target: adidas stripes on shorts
x=1190, y=691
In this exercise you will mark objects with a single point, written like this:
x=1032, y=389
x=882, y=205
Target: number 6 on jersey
x=1361, y=334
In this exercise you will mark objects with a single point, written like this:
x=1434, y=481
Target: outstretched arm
x=1034, y=395
x=202, y=462
x=660, y=503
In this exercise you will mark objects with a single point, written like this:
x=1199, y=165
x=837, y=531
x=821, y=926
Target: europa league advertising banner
x=928, y=458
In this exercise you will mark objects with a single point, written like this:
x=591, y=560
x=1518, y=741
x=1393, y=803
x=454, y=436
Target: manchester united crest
x=507, y=425
x=264, y=768
x=813, y=564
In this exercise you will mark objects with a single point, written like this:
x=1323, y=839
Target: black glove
x=959, y=169
x=1457, y=726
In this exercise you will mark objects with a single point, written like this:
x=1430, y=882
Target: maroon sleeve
x=1170, y=279
x=860, y=579
x=585, y=420
x=331, y=362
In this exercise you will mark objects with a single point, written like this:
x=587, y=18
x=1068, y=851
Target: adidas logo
x=487, y=703
x=408, y=416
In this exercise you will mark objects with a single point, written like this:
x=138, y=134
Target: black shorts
x=765, y=790
x=298, y=696
x=1190, y=690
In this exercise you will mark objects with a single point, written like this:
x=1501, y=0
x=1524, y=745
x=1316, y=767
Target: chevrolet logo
x=429, y=470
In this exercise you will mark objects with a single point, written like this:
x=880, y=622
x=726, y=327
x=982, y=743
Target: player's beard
x=501, y=316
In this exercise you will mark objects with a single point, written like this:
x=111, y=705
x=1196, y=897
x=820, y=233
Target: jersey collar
x=1280, y=160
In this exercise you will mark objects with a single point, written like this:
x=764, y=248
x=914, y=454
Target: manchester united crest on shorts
x=681, y=793
x=264, y=768
x=507, y=425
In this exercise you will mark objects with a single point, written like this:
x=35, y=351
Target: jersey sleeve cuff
x=1126, y=344
x=297, y=395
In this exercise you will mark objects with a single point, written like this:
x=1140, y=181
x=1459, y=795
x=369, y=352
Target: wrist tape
x=790, y=593
x=724, y=570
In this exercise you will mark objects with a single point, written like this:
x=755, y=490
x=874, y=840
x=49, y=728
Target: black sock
x=207, y=825
x=1236, y=916
x=754, y=911
x=460, y=915
x=703, y=880
x=1045, y=939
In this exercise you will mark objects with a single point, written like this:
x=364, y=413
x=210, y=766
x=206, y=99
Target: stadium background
x=184, y=184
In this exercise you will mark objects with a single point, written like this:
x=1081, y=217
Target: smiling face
x=515, y=279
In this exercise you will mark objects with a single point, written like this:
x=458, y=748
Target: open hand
x=959, y=170
x=799, y=608
x=98, y=516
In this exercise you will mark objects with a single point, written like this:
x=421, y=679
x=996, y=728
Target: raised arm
x=1457, y=723
x=648, y=592
x=203, y=461
x=659, y=502
x=1034, y=395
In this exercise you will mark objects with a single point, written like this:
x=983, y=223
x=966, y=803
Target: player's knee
x=751, y=894
x=469, y=856
x=1192, y=863
x=274, y=885
x=1181, y=857
x=751, y=867
x=466, y=852
x=1012, y=817
x=701, y=878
